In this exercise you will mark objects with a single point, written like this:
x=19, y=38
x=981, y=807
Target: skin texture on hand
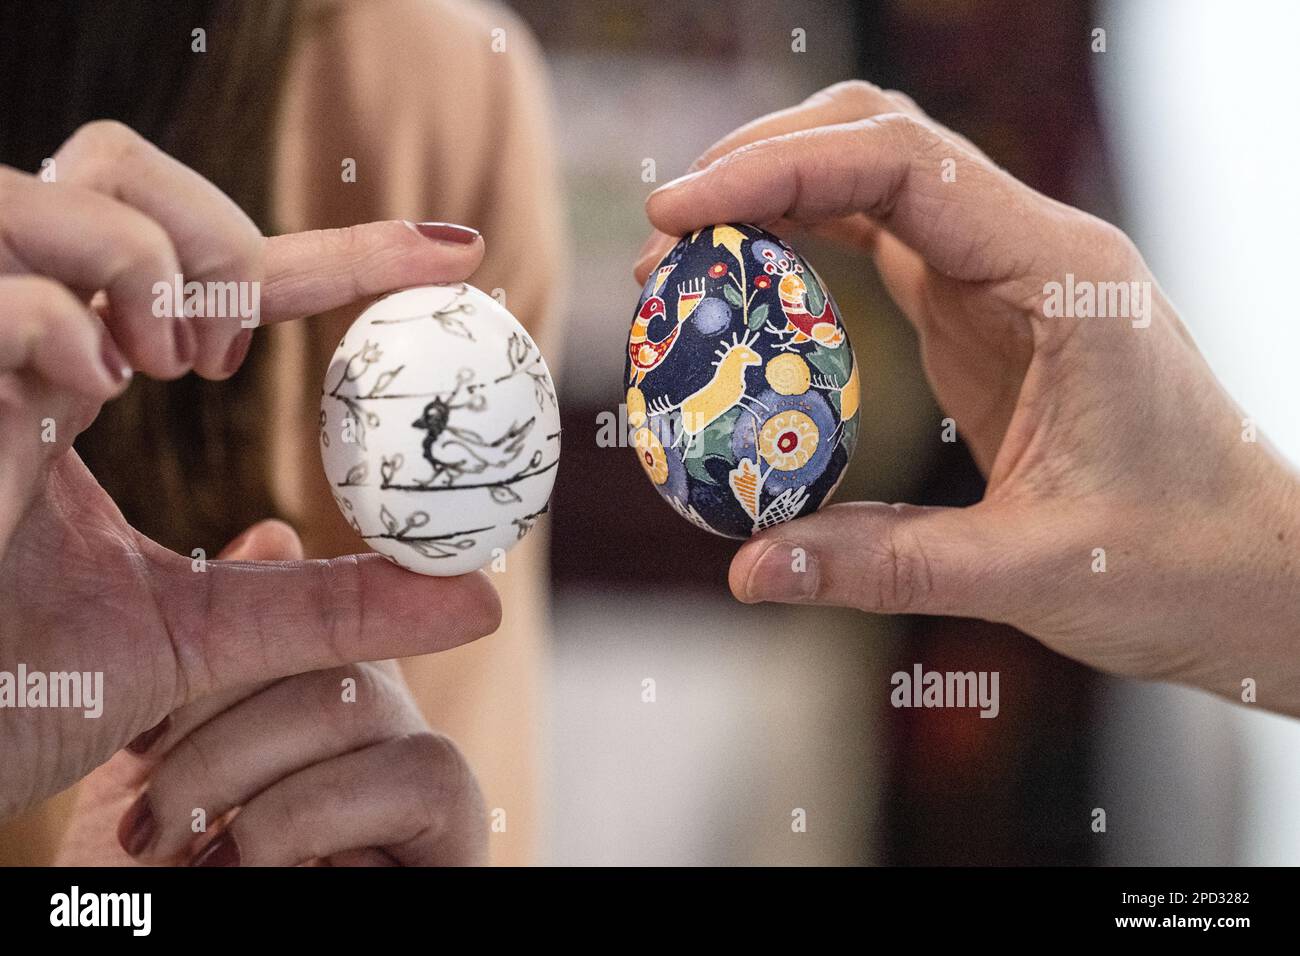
x=1101, y=438
x=333, y=766
x=79, y=589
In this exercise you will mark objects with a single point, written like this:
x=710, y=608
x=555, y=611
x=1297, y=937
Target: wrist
x=1262, y=626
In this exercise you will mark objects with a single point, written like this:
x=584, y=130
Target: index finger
x=969, y=227
x=843, y=102
x=308, y=273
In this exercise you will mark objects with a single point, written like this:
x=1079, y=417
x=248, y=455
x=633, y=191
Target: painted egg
x=742, y=388
x=439, y=428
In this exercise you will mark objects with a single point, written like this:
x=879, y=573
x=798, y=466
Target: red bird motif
x=806, y=327
x=645, y=353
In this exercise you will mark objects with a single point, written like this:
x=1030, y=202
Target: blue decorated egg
x=742, y=387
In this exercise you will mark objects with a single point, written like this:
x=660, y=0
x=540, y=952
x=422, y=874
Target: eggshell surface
x=439, y=428
x=741, y=384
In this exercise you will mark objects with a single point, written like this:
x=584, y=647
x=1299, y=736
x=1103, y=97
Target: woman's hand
x=1106, y=442
x=80, y=591
x=334, y=766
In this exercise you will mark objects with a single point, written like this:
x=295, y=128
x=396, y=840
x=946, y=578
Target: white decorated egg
x=439, y=428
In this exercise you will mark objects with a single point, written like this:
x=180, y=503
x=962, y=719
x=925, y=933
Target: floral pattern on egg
x=741, y=385
x=439, y=428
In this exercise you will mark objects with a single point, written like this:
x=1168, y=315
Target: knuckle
x=342, y=242
x=897, y=572
x=345, y=719
x=908, y=132
x=341, y=582
x=237, y=256
x=1113, y=246
x=103, y=141
x=444, y=777
x=144, y=247
x=190, y=769
x=292, y=820
x=901, y=99
x=858, y=95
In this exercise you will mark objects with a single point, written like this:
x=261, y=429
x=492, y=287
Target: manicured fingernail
x=784, y=572
x=150, y=737
x=187, y=342
x=223, y=851
x=138, y=826
x=114, y=362
x=237, y=352
x=446, y=232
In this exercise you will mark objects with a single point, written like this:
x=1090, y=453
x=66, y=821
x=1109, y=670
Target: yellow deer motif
x=724, y=391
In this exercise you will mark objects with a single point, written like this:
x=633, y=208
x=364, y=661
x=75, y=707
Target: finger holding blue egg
x=741, y=384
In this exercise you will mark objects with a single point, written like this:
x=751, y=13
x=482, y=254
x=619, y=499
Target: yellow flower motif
x=788, y=374
x=849, y=395
x=635, y=407
x=651, y=452
x=788, y=440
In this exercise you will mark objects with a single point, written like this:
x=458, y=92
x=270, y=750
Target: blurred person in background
x=439, y=107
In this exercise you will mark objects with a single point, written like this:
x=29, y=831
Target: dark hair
x=184, y=460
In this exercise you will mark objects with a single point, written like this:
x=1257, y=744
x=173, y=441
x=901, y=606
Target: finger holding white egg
x=439, y=428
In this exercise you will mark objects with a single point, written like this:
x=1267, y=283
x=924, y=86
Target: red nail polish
x=138, y=826
x=187, y=342
x=237, y=352
x=446, y=232
x=223, y=851
x=150, y=737
x=118, y=369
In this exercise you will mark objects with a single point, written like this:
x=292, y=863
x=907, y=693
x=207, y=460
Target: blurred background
x=1181, y=131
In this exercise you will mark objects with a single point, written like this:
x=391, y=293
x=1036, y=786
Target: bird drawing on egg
x=435, y=422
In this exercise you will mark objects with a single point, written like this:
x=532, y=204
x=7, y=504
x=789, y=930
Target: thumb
x=247, y=620
x=888, y=559
x=269, y=540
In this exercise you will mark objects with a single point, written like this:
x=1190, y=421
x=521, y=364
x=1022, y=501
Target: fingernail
x=187, y=342
x=679, y=181
x=784, y=572
x=648, y=246
x=150, y=737
x=114, y=362
x=237, y=352
x=446, y=232
x=138, y=826
x=223, y=851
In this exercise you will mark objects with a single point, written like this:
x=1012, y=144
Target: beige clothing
x=441, y=127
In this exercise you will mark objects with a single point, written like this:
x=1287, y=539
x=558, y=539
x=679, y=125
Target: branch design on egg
x=524, y=357
x=357, y=365
x=431, y=545
x=448, y=316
